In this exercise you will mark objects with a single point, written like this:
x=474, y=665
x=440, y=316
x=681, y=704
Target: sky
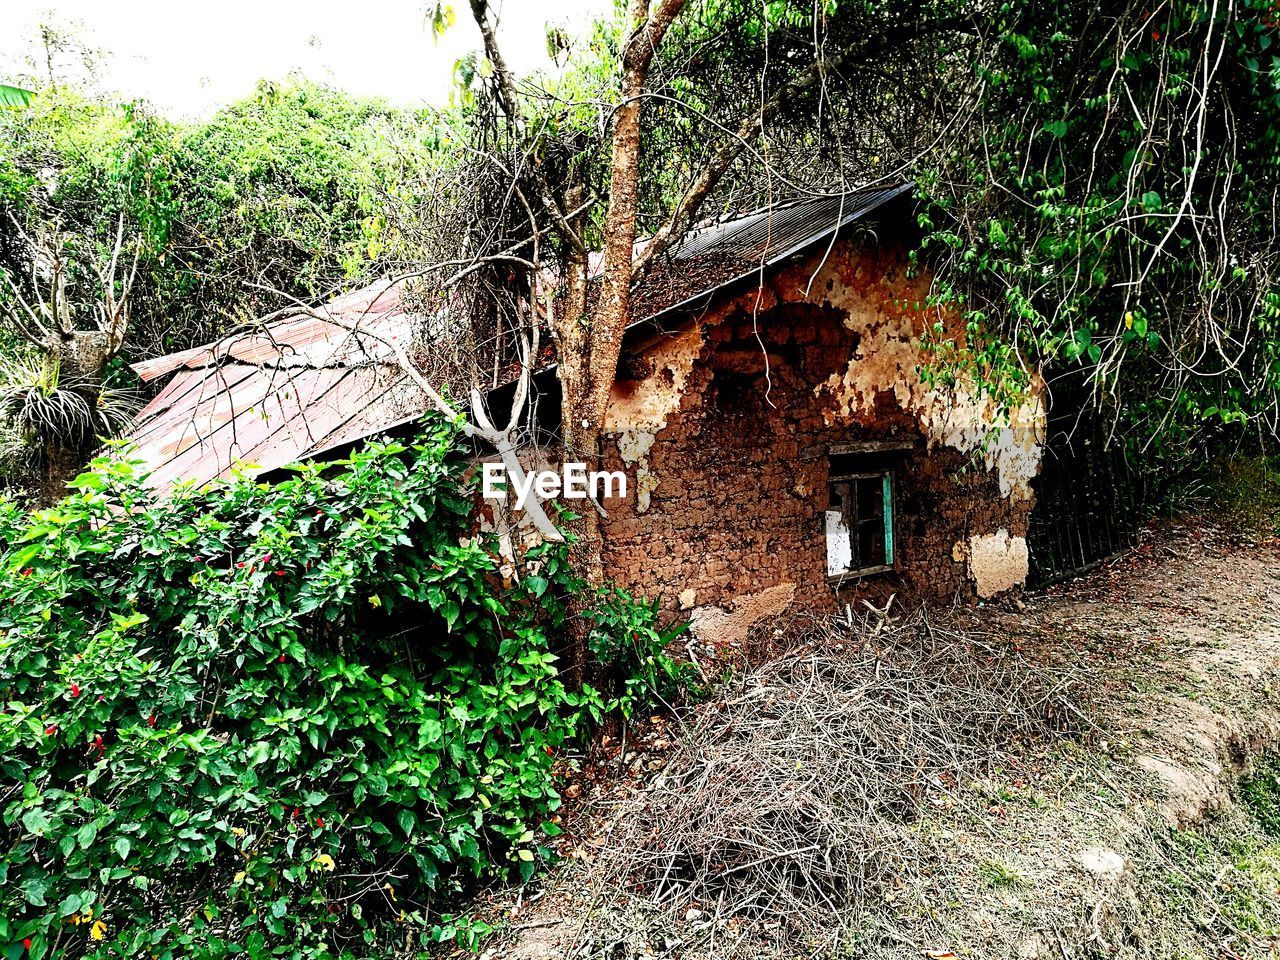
x=188, y=58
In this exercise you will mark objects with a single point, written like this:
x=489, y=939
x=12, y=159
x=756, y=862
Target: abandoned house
x=780, y=441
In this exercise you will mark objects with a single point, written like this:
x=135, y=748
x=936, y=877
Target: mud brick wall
x=723, y=427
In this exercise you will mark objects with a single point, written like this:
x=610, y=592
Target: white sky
x=190, y=57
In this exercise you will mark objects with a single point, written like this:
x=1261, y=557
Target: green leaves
x=1081, y=344
x=36, y=821
x=34, y=888
x=242, y=717
x=15, y=96
x=1087, y=228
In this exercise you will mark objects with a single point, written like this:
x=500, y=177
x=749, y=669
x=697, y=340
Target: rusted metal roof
x=771, y=235
x=718, y=256
x=265, y=397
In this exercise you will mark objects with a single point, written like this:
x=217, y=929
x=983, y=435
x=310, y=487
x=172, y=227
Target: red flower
x=295, y=813
x=267, y=558
x=97, y=742
x=279, y=573
x=240, y=565
x=27, y=572
x=101, y=697
x=75, y=689
x=50, y=730
x=26, y=943
x=1155, y=34
x=282, y=658
x=320, y=822
x=319, y=514
x=151, y=720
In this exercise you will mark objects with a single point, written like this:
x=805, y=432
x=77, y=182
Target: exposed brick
x=739, y=447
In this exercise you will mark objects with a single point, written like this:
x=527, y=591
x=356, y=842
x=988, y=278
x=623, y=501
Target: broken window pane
x=859, y=523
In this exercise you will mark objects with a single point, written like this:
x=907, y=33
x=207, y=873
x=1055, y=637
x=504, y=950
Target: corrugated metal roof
x=714, y=257
x=267, y=397
x=774, y=234
x=270, y=396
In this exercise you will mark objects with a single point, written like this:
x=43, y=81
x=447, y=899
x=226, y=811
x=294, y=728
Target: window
x=859, y=522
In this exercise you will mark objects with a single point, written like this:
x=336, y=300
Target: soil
x=1129, y=841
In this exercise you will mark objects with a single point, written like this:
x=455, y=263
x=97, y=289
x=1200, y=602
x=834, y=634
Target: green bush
x=284, y=720
x=626, y=639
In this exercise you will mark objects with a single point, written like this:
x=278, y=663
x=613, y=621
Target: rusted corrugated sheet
x=265, y=397
x=717, y=256
x=774, y=234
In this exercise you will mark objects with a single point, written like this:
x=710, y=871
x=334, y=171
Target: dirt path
x=1139, y=847
x=1185, y=631
x=1128, y=842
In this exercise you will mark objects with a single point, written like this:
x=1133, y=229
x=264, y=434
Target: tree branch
x=731, y=148
x=509, y=102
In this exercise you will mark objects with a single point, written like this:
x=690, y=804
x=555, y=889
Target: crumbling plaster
x=731, y=623
x=997, y=562
x=886, y=362
x=888, y=359
x=639, y=409
x=729, y=552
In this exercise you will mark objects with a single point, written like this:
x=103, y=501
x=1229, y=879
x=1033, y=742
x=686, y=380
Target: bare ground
x=1124, y=838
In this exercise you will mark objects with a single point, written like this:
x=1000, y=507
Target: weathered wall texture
x=724, y=433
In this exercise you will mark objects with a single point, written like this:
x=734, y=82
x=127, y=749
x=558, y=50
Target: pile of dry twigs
x=788, y=805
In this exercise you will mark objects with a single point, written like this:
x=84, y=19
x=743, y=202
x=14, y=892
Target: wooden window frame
x=886, y=476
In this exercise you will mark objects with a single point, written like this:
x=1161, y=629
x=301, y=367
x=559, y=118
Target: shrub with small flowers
x=287, y=720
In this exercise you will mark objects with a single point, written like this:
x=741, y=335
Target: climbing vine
x=1109, y=208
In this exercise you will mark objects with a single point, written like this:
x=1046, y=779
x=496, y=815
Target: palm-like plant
x=11, y=96
x=54, y=397
x=39, y=403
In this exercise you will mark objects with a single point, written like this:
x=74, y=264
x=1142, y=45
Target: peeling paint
x=638, y=410
x=962, y=421
x=646, y=483
x=730, y=624
x=888, y=360
x=997, y=562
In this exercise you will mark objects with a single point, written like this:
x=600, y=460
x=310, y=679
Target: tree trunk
x=580, y=442
x=589, y=347
x=61, y=461
x=76, y=363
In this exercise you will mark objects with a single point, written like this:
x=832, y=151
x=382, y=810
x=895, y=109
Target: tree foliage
x=1106, y=208
x=276, y=196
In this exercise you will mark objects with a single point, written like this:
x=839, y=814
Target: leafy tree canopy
x=275, y=196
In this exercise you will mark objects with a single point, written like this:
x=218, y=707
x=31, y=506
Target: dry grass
x=788, y=807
